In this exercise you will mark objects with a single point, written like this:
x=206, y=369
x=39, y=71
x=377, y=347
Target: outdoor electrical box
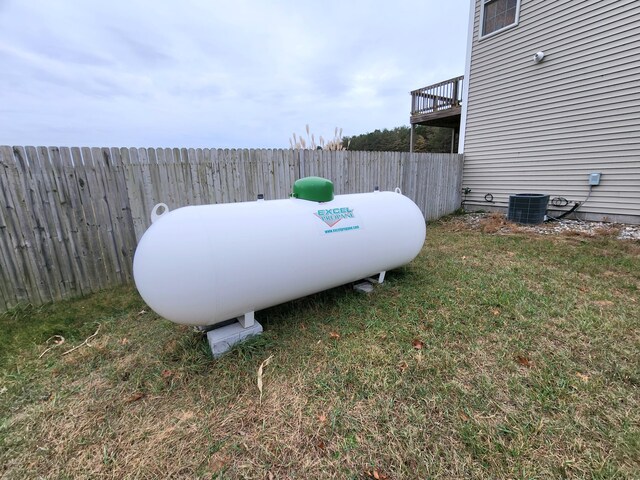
x=594, y=178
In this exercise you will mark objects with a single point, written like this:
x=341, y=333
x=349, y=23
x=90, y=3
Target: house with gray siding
x=550, y=95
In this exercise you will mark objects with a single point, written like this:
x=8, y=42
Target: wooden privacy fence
x=71, y=217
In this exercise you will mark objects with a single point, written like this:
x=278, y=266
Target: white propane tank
x=202, y=265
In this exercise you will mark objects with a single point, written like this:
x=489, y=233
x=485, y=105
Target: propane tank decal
x=333, y=216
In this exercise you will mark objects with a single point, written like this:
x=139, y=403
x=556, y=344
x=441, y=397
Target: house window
x=498, y=15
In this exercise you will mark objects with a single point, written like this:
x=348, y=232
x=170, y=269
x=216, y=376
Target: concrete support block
x=363, y=287
x=223, y=338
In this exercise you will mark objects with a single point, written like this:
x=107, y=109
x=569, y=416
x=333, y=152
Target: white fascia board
x=467, y=72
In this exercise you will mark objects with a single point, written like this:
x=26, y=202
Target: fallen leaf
x=334, y=335
x=403, y=366
x=603, y=303
x=135, y=397
x=376, y=474
x=322, y=418
x=585, y=378
x=321, y=445
x=271, y=477
x=218, y=462
x=186, y=415
x=495, y=311
x=463, y=416
x=124, y=341
x=141, y=312
x=260, y=372
x=417, y=344
x=3, y=390
x=524, y=361
x=166, y=373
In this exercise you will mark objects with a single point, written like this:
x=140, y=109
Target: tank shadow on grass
x=317, y=314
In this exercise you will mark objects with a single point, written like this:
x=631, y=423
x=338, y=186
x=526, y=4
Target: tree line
x=428, y=139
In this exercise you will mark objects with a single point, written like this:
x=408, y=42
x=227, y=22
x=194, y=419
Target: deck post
x=412, y=139
x=453, y=139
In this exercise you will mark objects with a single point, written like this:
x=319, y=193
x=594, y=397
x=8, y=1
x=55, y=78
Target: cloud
x=217, y=74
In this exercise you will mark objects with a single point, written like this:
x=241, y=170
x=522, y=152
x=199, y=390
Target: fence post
x=301, y=172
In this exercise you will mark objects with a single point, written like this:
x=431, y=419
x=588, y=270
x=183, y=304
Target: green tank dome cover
x=314, y=189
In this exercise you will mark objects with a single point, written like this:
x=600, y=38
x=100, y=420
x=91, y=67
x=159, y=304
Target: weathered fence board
x=70, y=218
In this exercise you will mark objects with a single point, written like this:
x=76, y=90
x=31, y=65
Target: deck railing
x=437, y=97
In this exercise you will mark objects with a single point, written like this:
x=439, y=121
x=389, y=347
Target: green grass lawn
x=489, y=356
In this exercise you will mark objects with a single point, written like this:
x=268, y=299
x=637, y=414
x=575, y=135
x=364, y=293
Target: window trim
x=500, y=30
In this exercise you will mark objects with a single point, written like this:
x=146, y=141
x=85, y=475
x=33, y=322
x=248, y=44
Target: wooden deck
x=438, y=105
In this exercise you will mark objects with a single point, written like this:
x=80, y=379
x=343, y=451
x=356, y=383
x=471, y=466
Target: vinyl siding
x=541, y=128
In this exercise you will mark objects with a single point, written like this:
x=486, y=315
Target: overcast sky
x=217, y=73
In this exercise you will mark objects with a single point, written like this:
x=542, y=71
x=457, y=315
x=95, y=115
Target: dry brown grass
x=494, y=222
x=97, y=428
x=99, y=431
x=607, y=231
x=300, y=143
